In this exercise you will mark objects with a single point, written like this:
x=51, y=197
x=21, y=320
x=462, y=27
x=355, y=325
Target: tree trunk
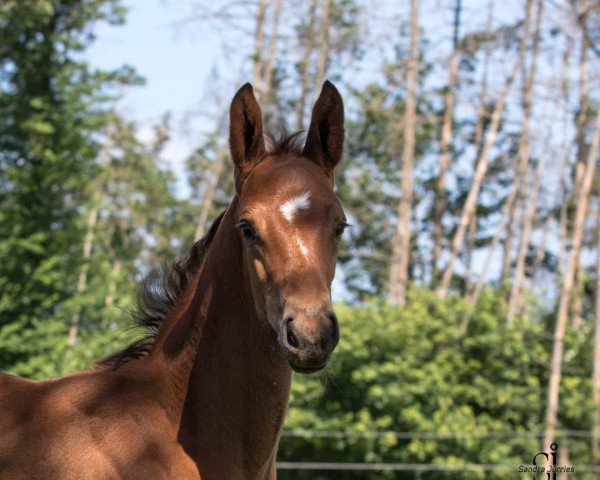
x=515, y=302
x=541, y=247
x=82, y=279
x=581, y=121
x=270, y=60
x=473, y=297
x=596, y=363
x=483, y=161
x=324, y=46
x=529, y=209
x=567, y=287
x=562, y=240
x=510, y=230
x=581, y=124
x=89, y=238
x=446, y=135
x=577, y=296
x=561, y=184
x=471, y=239
x=209, y=195
x=309, y=47
x=482, y=115
x=259, y=35
x=398, y=280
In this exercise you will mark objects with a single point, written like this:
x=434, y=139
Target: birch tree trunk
x=473, y=297
x=471, y=239
x=510, y=230
x=483, y=161
x=273, y=41
x=567, y=287
x=481, y=119
x=259, y=35
x=305, y=65
x=561, y=184
x=398, y=279
x=541, y=247
x=323, y=45
x=89, y=238
x=596, y=372
x=515, y=302
x=209, y=195
x=82, y=278
x=446, y=135
x=529, y=210
x=581, y=122
x=482, y=110
x=562, y=237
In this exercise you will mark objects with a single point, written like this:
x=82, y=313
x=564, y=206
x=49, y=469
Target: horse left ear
x=246, y=141
x=325, y=138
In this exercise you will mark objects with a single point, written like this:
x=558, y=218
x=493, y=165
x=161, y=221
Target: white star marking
x=293, y=205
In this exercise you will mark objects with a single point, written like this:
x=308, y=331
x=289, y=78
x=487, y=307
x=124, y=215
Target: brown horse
x=205, y=394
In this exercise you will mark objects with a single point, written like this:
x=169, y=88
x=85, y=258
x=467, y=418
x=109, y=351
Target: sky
x=175, y=62
x=178, y=58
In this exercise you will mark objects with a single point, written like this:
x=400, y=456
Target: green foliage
x=407, y=370
x=368, y=182
x=64, y=153
x=48, y=354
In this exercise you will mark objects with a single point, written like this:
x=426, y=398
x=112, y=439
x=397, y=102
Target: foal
x=205, y=395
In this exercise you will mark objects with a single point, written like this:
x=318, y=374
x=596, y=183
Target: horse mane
x=163, y=286
x=157, y=294
x=285, y=143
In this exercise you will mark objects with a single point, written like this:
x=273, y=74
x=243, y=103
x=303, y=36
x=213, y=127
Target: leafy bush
x=408, y=370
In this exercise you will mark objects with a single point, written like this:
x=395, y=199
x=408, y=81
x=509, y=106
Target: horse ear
x=325, y=138
x=246, y=141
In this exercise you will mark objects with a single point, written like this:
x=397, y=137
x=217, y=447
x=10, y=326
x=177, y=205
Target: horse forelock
x=284, y=142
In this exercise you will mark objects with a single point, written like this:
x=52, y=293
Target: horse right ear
x=246, y=141
x=325, y=138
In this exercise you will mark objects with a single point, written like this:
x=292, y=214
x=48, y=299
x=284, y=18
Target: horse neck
x=225, y=361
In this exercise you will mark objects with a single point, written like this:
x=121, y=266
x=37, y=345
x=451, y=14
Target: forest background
x=469, y=281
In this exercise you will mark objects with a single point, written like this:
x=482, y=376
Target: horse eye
x=339, y=230
x=247, y=230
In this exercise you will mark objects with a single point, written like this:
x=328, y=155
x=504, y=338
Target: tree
x=402, y=388
x=521, y=174
x=399, y=275
x=596, y=359
x=445, y=139
x=52, y=105
x=483, y=160
x=567, y=287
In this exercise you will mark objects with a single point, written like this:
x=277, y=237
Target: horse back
x=86, y=426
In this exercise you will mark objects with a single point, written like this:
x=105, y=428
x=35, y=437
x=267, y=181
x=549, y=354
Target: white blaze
x=290, y=208
x=302, y=247
x=293, y=205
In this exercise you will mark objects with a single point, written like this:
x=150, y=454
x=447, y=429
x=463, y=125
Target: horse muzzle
x=307, y=338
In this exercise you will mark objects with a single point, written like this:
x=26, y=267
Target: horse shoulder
x=97, y=424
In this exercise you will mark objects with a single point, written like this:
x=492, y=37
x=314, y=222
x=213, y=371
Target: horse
x=205, y=393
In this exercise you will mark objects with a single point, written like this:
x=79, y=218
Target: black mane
x=157, y=295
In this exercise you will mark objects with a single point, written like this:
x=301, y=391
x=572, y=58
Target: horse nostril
x=291, y=338
x=333, y=340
